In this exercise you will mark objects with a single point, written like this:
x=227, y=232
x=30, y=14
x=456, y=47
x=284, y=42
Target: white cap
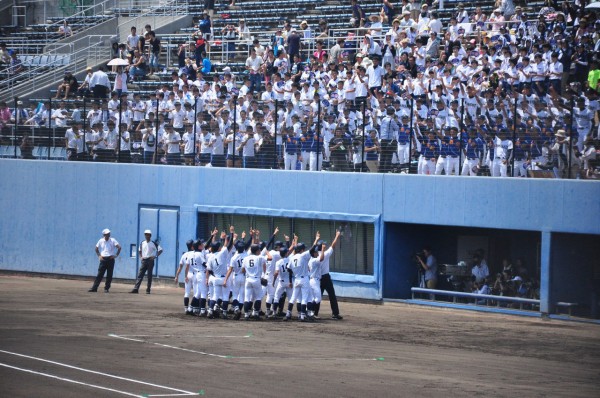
x=148, y=232
x=105, y=231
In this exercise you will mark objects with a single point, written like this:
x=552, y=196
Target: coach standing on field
x=326, y=283
x=107, y=249
x=148, y=251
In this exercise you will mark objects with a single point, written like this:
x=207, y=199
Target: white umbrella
x=594, y=6
x=118, y=62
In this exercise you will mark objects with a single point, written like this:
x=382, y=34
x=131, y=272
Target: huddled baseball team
x=226, y=270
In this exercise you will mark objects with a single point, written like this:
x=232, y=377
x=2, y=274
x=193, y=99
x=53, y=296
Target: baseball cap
x=105, y=231
x=147, y=232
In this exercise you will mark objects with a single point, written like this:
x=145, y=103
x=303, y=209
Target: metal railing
x=219, y=50
x=88, y=14
x=172, y=8
x=74, y=56
x=477, y=299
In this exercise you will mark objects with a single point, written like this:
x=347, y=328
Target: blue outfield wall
x=53, y=212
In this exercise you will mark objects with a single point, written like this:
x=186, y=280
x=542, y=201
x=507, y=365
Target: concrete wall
x=54, y=211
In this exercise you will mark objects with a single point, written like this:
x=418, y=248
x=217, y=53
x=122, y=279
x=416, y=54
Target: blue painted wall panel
x=54, y=211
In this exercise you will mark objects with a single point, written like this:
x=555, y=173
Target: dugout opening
x=354, y=253
x=450, y=245
x=575, y=275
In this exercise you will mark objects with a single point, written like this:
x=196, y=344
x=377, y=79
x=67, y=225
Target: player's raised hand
x=276, y=231
x=231, y=229
x=287, y=238
x=338, y=233
x=318, y=235
x=223, y=234
x=243, y=234
x=215, y=231
x=235, y=236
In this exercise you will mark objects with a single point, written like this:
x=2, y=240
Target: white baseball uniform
x=298, y=264
x=254, y=266
x=238, y=279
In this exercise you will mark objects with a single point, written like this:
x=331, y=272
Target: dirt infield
x=57, y=340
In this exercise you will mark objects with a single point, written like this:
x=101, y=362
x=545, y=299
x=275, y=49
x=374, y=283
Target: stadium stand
x=507, y=118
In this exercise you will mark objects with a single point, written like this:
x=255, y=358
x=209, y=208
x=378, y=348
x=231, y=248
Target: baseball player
x=216, y=268
x=254, y=265
x=269, y=289
x=283, y=280
x=314, y=269
x=188, y=283
x=197, y=263
x=298, y=265
x=239, y=279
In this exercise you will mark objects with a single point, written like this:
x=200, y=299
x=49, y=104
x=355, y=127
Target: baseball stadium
x=299, y=198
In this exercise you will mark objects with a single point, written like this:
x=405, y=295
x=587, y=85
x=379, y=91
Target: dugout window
x=354, y=253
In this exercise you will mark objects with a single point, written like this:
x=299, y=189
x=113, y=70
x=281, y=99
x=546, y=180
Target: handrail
x=170, y=8
x=92, y=51
x=215, y=54
x=474, y=295
x=83, y=13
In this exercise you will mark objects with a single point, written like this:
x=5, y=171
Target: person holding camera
x=428, y=262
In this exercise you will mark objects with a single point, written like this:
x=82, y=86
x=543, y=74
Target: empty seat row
x=34, y=61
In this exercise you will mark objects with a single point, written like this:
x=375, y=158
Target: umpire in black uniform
x=148, y=251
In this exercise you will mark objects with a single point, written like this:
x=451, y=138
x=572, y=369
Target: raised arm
x=317, y=237
x=270, y=244
x=212, y=235
x=336, y=239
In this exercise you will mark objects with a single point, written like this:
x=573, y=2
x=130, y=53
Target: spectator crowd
x=501, y=94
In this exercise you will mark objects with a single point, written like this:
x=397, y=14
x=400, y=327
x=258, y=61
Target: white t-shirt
x=172, y=140
x=375, y=75
x=325, y=262
x=216, y=142
x=248, y=148
x=188, y=140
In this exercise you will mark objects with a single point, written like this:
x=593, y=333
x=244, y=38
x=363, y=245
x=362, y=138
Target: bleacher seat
x=58, y=153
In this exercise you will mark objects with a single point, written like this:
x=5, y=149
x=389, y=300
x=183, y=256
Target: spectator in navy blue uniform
x=339, y=148
x=293, y=44
x=292, y=149
x=404, y=137
x=371, y=151
x=430, y=150
x=472, y=148
x=388, y=133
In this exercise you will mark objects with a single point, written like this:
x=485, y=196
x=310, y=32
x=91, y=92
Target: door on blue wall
x=164, y=224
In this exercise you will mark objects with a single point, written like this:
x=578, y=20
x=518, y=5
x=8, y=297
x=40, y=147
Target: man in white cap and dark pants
x=147, y=251
x=107, y=249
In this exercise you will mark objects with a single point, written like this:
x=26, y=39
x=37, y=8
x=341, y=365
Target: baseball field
x=58, y=340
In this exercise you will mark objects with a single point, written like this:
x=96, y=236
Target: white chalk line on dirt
x=94, y=372
x=170, y=335
x=70, y=380
x=118, y=336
